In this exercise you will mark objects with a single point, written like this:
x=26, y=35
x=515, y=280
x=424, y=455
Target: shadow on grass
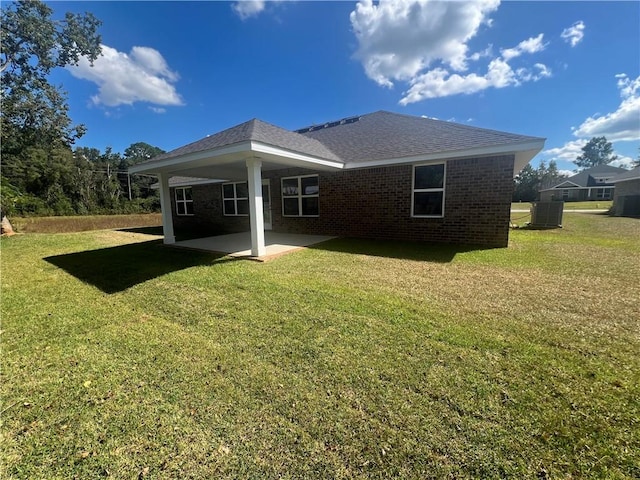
x=155, y=230
x=180, y=234
x=115, y=269
x=421, y=251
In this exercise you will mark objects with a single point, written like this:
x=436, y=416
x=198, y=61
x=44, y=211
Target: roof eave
x=628, y=179
x=523, y=151
x=235, y=152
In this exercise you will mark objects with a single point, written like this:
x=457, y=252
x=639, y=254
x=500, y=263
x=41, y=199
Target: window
x=235, y=199
x=184, y=201
x=603, y=193
x=565, y=195
x=428, y=190
x=300, y=196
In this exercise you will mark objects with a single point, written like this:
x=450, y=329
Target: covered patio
x=239, y=244
x=240, y=153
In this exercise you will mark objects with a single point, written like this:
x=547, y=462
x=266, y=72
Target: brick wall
x=208, y=217
x=376, y=203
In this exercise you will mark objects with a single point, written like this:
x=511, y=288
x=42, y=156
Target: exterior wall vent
x=546, y=214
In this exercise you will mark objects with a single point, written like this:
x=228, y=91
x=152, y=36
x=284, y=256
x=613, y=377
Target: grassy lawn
x=597, y=205
x=355, y=359
x=82, y=223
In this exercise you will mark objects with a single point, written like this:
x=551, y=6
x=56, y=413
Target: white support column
x=165, y=206
x=256, y=218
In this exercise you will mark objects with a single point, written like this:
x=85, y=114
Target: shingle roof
x=585, y=177
x=627, y=175
x=385, y=135
x=255, y=130
x=371, y=137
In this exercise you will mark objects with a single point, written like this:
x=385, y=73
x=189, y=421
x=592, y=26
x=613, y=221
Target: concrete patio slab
x=239, y=244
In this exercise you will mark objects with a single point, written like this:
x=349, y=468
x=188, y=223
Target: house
x=594, y=183
x=380, y=175
x=626, y=197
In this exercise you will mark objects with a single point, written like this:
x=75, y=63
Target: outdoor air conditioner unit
x=546, y=214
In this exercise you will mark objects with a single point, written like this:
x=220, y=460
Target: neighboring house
x=381, y=175
x=595, y=183
x=626, y=198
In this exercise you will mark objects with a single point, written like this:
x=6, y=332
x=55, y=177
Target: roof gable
x=566, y=184
x=585, y=178
x=254, y=130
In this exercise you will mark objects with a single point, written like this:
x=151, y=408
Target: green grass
x=355, y=359
x=82, y=223
x=594, y=205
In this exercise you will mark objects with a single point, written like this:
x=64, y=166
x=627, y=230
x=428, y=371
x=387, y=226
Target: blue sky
x=174, y=72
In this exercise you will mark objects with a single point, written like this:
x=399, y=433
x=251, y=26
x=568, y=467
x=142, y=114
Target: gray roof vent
x=313, y=128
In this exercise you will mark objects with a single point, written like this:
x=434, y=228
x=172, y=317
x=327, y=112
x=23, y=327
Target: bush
x=15, y=203
x=31, y=206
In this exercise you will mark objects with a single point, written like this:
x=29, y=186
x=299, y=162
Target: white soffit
x=239, y=152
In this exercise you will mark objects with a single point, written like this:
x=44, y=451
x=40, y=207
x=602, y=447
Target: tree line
x=61, y=181
x=42, y=173
x=530, y=180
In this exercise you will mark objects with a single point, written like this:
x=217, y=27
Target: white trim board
x=240, y=151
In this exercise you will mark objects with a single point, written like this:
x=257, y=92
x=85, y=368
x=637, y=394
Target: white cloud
x=487, y=52
x=423, y=43
x=623, y=162
x=624, y=123
x=152, y=61
x=566, y=173
x=140, y=76
x=628, y=88
x=621, y=125
x=398, y=39
x=531, y=45
x=252, y=8
x=158, y=109
x=568, y=152
x=572, y=149
x=573, y=35
x=248, y=8
x=440, y=83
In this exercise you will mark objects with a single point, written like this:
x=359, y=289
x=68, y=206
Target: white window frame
x=603, y=193
x=300, y=195
x=184, y=202
x=415, y=190
x=565, y=194
x=235, y=199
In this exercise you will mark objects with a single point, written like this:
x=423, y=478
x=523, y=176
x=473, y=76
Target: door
x=266, y=203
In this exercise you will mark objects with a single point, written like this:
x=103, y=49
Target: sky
x=174, y=72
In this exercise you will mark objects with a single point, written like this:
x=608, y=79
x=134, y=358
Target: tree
x=31, y=45
x=36, y=131
x=140, y=152
x=526, y=185
x=597, y=151
x=549, y=176
x=140, y=184
x=530, y=181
